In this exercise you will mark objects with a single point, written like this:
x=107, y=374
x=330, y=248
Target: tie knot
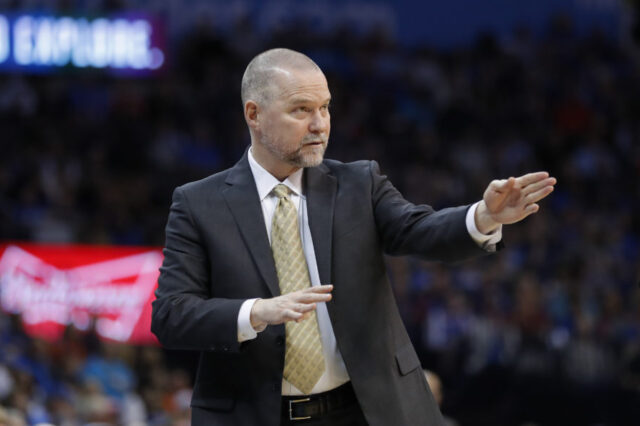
x=281, y=191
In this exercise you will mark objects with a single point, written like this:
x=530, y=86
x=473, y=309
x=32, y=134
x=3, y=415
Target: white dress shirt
x=335, y=373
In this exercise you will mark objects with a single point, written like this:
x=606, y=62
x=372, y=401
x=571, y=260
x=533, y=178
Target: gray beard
x=297, y=158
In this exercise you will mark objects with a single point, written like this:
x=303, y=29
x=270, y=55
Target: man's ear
x=251, y=113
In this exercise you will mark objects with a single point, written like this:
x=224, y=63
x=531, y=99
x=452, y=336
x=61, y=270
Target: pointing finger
x=539, y=185
x=314, y=297
x=531, y=178
x=326, y=288
x=539, y=194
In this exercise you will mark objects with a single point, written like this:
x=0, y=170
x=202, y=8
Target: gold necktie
x=303, y=359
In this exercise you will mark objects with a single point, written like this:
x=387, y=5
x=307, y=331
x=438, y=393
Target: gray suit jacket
x=217, y=255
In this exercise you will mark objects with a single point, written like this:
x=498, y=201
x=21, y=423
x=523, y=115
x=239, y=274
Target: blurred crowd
x=547, y=331
x=81, y=380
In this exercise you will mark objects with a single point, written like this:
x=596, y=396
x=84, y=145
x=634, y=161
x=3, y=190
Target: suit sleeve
x=184, y=314
x=419, y=230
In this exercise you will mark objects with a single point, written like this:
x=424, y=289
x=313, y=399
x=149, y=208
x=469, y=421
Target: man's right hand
x=294, y=306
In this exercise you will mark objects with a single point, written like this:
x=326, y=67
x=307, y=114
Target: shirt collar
x=265, y=181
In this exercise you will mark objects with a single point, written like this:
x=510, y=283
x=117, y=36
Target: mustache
x=315, y=139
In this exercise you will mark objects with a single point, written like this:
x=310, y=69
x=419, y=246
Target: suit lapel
x=320, y=190
x=242, y=198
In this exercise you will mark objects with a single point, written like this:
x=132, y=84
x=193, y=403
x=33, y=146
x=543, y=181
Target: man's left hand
x=510, y=200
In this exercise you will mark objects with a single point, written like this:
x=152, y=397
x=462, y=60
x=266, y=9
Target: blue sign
x=41, y=42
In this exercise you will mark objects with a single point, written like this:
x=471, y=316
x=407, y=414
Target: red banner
x=54, y=286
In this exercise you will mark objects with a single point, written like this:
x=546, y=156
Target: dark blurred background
x=446, y=98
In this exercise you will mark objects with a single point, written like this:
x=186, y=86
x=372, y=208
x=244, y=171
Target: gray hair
x=257, y=81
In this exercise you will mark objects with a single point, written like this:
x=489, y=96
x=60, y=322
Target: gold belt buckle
x=295, y=401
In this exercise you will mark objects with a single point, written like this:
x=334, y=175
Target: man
x=274, y=268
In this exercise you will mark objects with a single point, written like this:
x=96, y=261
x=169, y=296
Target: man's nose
x=319, y=122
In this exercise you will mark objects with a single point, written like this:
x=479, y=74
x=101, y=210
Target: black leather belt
x=304, y=407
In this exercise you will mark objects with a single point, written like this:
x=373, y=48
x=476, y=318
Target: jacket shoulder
x=205, y=184
x=360, y=168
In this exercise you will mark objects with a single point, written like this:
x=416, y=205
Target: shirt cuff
x=486, y=241
x=245, y=330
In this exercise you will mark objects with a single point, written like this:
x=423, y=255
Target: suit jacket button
x=280, y=341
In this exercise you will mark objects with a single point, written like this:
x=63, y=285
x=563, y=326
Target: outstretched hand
x=511, y=200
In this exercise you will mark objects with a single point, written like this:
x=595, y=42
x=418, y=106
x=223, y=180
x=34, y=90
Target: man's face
x=294, y=125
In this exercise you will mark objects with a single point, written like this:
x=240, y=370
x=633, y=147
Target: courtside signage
x=41, y=43
x=108, y=289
